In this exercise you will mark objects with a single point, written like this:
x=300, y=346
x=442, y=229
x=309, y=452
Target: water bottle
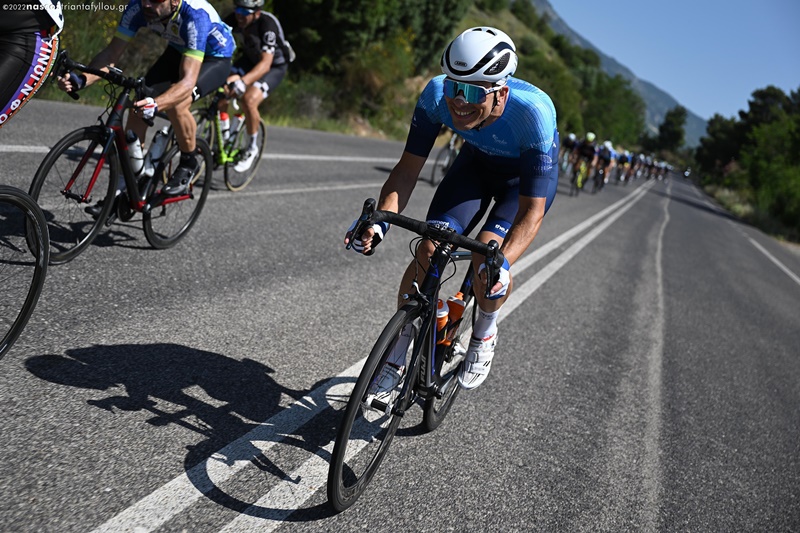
x=156, y=150
x=442, y=313
x=225, y=125
x=456, y=306
x=134, y=151
x=236, y=123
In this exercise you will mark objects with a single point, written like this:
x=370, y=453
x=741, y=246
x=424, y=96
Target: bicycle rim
x=168, y=223
x=452, y=356
x=364, y=433
x=24, y=253
x=236, y=181
x=70, y=165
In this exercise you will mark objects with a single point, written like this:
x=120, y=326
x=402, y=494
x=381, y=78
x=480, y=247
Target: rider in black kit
x=28, y=49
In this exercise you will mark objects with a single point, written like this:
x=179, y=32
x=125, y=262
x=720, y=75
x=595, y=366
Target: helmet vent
x=499, y=66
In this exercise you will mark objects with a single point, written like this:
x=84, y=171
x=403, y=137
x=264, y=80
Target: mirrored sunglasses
x=243, y=11
x=473, y=94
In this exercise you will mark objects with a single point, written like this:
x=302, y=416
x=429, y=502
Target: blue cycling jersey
x=195, y=29
x=520, y=142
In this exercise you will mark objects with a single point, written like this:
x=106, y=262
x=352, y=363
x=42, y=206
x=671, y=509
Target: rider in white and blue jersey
x=196, y=62
x=510, y=156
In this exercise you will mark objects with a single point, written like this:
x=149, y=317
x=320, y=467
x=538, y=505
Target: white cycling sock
x=254, y=140
x=485, y=324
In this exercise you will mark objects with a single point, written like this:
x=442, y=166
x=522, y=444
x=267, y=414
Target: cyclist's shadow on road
x=219, y=397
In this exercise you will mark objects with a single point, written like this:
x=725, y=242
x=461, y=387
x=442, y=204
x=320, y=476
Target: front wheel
x=63, y=188
x=239, y=173
x=448, y=363
x=368, y=426
x=172, y=217
x=23, y=231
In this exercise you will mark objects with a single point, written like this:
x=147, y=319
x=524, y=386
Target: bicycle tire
x=435, y=409
x=23, y=229
x=70, y=228
x=236, y=181
x=352, y=467
x=166, y=224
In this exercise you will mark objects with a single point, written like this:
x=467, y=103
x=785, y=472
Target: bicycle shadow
x=220, y=398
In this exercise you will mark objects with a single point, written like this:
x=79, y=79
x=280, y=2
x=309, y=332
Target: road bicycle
x=93, y=163
x=228, y=151
x=578, y=179
x=24, y=254
x=433, y=357
x=444, y=159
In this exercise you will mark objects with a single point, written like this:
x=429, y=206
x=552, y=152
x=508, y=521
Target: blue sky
x=710, y=55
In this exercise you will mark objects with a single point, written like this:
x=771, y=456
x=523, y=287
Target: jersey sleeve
x=539, y=152
x=195, y=35
x=132, y=19
x=269, y=34
x=425, y=123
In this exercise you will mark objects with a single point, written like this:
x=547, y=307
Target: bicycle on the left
x=24, y=253
x=88, y=164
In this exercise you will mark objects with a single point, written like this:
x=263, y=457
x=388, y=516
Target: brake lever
x=363, y=222
x=493, y=266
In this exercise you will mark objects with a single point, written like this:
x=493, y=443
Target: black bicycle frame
x=428, y=296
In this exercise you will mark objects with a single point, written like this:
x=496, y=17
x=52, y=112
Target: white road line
x=38, y=149
x=224, y=195
x=772, y=258
x=154, y=510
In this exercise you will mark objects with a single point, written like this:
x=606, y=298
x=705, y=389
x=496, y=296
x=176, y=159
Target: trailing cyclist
x=585, y=150
x=196, y=61
x=266, y=55
x=28, y=49
x=510, y=154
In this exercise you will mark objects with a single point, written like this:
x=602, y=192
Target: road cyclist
x=196, y=62
x=264, y=60
x=584, y=162
x=510, y=155
x=28, y=50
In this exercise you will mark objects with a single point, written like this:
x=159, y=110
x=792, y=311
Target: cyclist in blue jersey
x=509, y=155
x=196, y=61
x=28, y=46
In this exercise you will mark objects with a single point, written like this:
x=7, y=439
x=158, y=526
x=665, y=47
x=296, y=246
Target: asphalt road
x=647, y=373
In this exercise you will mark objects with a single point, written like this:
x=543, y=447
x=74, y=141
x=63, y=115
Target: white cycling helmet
x=480, y=54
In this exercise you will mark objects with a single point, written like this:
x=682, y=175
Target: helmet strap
x=494, y=104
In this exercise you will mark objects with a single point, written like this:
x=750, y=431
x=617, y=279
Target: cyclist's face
x=156, y=9
x=245, y=17
x=466, y=116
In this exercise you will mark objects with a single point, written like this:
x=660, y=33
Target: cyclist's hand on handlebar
x=500, y=287
x=237, y=87
x=71, y=82
x=369, y=239
x=147, y=108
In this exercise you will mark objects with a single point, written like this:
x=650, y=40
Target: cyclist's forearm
x=258, y=71
x=524, y=229
x=106, y=58
x=397, y=190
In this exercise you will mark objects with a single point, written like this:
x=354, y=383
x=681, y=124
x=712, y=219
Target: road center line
x=154, y=510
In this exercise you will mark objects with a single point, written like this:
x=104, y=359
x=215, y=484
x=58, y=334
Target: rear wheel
x=61, y=183
x=444, y=160
x=24, y=251
x=171, y=219
x=236, y=180
x=366, y=431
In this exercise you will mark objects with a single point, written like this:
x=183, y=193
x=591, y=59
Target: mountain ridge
x=657, y=101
